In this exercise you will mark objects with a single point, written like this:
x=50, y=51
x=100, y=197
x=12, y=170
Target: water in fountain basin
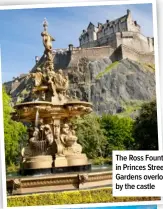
x=37, y=118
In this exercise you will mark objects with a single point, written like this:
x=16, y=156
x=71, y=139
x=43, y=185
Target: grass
x=24, y=92
x=147, y=67
x=107, y=69
x=130, y=107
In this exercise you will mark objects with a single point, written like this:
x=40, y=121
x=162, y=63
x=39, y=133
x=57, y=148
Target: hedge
x=101, y=195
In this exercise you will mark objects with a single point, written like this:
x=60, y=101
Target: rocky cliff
x=114, y=87
x=118, y=87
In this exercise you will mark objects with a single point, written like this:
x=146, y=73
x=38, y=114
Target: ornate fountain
x=52, y=145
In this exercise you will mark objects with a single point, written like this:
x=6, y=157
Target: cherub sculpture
x=69, y=140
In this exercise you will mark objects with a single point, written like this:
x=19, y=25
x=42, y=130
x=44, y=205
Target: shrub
x=91, y=135
x=101, y=161
x=145, y=127
x=14, y=132
x=102, y=195
x=119, y=132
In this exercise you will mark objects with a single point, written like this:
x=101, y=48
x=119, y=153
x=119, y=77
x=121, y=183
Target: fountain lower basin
x=17, y=185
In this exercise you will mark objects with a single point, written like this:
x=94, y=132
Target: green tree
x=145, y=131
x=119, y=132
x=91, y=135
x=14, y=132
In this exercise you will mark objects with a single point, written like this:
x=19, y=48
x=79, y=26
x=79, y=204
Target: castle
x=118, y=39
x=123, y=30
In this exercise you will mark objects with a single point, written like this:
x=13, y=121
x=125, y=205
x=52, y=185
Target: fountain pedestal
x=77, y=160
x=60, y=161
x=37, y=165
x=38, y=162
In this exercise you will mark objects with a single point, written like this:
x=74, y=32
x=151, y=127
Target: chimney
x=136, y=23
x=36, y=59
x=128, y=12
x=70, y=47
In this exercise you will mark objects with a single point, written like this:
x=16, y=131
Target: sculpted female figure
x=47, y=42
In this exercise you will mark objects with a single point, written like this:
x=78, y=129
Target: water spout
x=37, y=118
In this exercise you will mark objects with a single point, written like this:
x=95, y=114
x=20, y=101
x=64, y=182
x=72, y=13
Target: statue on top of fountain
x=47, y=42
x=49, y=85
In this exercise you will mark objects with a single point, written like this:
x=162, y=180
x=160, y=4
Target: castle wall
x=90, y=44
x=125, y=49
x=92, y=33
x=129, y=53
x=15, y=84
x=135, y=40
x=93, y=53
x=107, y=31
x=132, y=39
x=62, y=60
x=70, y=59
x=109, y=40
x=132, y=25
x=8, y=86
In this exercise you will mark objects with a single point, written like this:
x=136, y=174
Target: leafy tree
x=145, y=131
x=91, y=135
x=119, y=132
x=14, y=132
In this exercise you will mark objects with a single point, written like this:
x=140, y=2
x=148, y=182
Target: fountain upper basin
x=27, y=111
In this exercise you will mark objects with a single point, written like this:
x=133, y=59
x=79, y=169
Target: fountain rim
x=52, y=104
x=56, y=175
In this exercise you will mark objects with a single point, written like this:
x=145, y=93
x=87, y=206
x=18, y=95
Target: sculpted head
x=41, y=121
x=65, y=128
x=60, y=71
x=38, y=69
x=44, y=33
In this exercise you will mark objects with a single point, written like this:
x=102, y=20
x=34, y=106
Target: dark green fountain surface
x=94, y=169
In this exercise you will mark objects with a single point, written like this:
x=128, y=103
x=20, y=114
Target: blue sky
x=126, y=207
x=20, y=37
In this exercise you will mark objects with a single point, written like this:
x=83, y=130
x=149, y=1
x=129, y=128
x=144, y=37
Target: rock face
x=111, y=87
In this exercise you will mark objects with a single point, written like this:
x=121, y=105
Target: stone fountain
x=52, y=146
